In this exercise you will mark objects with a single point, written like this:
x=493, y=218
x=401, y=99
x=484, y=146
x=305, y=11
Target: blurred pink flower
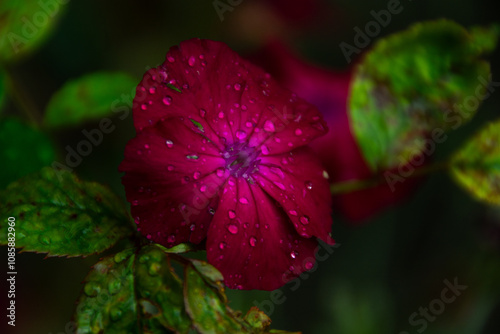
x=328, y=91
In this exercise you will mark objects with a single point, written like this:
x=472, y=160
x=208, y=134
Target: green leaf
x=107, y=304
x=180, y=248
x=24, y=150
x=24, y=25
x=257, y=319
x=208, y=310
x=138, y=291
x=408, y=84
x=88, y=98
x=60, y=215
x=476, y=166
x=159, y=292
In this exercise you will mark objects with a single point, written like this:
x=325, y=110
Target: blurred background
x=384, y=269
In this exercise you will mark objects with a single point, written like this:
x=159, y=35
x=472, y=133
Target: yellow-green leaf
x=88, y=98
x=428, y=78
x=24, y=25
x=476, y=166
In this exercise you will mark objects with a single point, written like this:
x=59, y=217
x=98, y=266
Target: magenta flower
x=220, y=157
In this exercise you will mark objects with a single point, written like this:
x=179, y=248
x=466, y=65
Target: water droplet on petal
x=293, y=212
x=191, y=61
x=152, y=90
x=304, y=220
x=240, y=134
x=192, y=157
x=269, y=126
x=167, y=100
x=233, y=229
x=135, y=202
x=325, y=174
x=203, y=112
x=221, y=115
x=280, y=185
x=309, y=265
x=222, y=245
x=243, y=200
x=144, y=106
x=192, y=227
x=170, y=168
x=309, y=185
x=264, y=150
x=220, y=172
x=294, y=254
x=237, y=86
x=277, y=171
x=169, y=143
x=170, y=59
x=253, y=241
x=298, y=132
x=231, y=214
x=211, y=211
x=196, y=175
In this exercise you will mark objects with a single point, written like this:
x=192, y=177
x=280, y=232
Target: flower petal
x=298, y=182
x=225, y=97
x=251, y=241
x=172, y=174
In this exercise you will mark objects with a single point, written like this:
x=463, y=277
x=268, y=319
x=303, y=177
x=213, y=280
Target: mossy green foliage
x=108, y=304
x=138, y=291
x=409, y=84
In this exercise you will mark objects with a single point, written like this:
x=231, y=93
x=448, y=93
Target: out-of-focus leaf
x=107, y=304
x=159, y=292
x=24, y=150
x=408, y=84
x=257, y=319
x=180, y=248
x=24, y=25
x=60, y=215
x=87, y=98
x=476, y=166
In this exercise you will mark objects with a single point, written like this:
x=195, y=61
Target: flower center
x=241, y=160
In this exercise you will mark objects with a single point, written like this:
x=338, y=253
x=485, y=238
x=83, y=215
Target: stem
x=355, y=185
x=22, y=99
